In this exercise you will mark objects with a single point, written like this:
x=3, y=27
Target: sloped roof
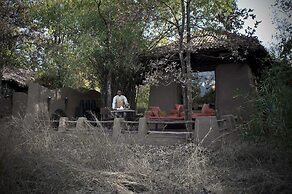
x=17, y=75
x=206, y=41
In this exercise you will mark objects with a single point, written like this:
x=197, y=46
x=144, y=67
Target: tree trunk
x=103, y=95
x=186, y=62
x=109, y=90
x=1, y=80
x=181, y=55
x=131, y=95
x=108, y=45
x=188, y=111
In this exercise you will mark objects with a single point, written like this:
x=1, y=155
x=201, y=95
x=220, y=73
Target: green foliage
x=275, y=87
x=143, y=96
x=274, y=110
x=87, y=43
x=12, y=17
x=208, y=98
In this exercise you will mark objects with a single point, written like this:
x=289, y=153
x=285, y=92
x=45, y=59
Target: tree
x=284, y=25
x=52, y=48
x=77, y=43
x=189, y=18
x=12, y=18
x=99, y=41
x=120, y=42
x=273, y=117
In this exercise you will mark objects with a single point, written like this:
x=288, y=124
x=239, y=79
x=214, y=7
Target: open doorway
x=204, y=91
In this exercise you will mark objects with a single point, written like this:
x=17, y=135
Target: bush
x=274, y=109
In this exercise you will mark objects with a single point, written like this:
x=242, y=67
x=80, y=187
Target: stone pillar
x=230, y=121
x=143, y=127
x=62, y=124
x=81, y=123
x=117, y=128
x=206, y=130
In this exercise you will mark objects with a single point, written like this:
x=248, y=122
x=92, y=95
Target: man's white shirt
x=120, y=98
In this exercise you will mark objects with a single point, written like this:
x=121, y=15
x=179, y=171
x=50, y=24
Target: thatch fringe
x=17, y=75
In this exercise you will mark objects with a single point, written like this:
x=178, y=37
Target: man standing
x=119, y=101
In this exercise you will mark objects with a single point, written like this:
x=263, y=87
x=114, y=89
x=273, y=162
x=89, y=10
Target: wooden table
x=127, y=114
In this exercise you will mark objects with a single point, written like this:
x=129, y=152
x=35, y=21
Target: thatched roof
x=17, y=75
x=211, y=41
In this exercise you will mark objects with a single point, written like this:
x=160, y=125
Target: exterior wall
x=5, y=106
x=37, y=100
x=19, y=104
x=76, y=101
x=42, y=100
x=234, y=83
x=165, y=96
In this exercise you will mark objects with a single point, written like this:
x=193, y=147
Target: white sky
x=264, y=12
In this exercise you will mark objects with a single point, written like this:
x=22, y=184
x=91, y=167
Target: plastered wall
x=234, y=87
x=165, y=96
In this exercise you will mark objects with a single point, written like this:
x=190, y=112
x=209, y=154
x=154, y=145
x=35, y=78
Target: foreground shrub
x=274, y=109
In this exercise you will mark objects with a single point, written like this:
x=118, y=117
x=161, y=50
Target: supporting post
x=81, y=123
x=207, y=130
x=230, y=121
x=143, y=127
x=117, y=128
x=62, y=124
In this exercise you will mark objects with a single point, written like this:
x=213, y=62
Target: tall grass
x=274, y=109
x=37, y=159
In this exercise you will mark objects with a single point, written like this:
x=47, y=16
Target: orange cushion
x=179, y=107
x=155, y=113
x=155, y=110
x=149, y=114
x=207, y=110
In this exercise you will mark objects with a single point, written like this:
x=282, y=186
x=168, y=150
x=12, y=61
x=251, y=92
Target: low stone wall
x=207, y=131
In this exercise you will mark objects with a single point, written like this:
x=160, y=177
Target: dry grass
x=37, y=159
x=254, y=167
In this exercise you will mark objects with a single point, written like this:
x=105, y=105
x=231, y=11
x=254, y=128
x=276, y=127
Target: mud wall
x=71, y=102
x=234, y=89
